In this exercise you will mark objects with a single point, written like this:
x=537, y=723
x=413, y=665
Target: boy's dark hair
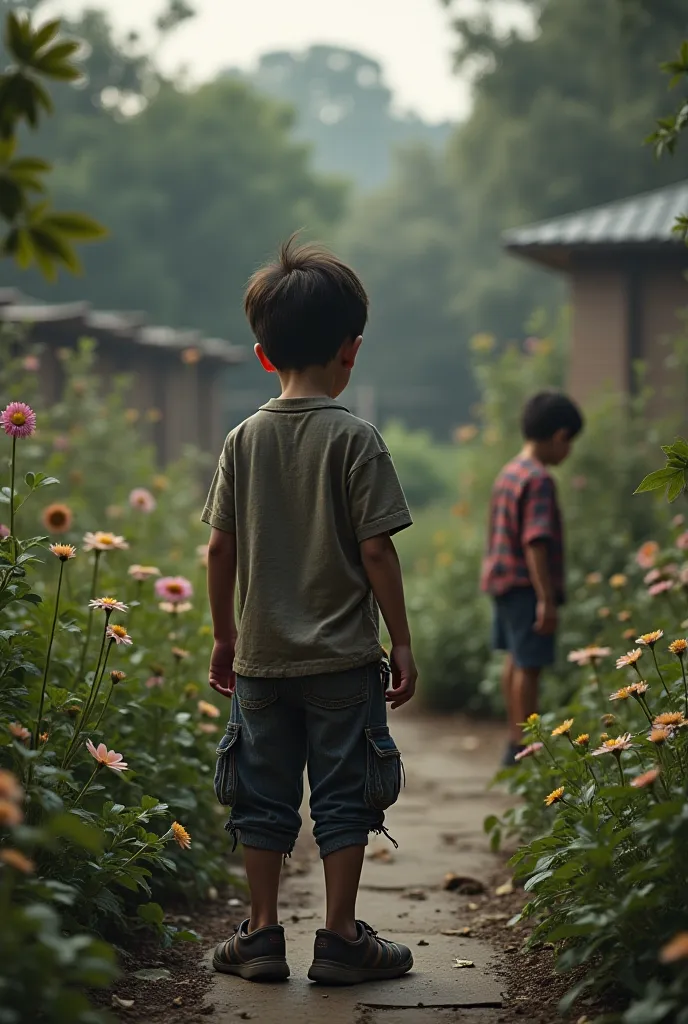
x=303, y=307
x=547, y=412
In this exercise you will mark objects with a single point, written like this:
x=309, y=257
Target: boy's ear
x=349, y=351
x=263, y=359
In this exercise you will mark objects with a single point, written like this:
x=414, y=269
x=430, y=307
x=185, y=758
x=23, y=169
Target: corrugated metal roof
x=646, y=218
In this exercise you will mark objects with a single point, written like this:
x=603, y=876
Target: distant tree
x=344, y=108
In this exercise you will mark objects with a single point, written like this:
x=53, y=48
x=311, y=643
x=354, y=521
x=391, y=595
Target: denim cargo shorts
x=335, y=725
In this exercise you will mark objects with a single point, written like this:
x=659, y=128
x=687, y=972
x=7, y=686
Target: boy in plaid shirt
x=523, y=570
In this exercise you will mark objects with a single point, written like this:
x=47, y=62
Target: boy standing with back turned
x=302, y=508
x=523, y=569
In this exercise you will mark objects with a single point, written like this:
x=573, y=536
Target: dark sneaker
x=337, y=961
x=255, y=956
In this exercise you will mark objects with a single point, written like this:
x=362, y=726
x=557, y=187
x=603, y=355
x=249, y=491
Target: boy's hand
x=546, y=618
x=222, y=676
x=404, y=675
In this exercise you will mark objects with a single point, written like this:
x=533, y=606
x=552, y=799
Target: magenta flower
x=18, y=419
x=142, y=499
x=109, y=758
x=4, y=531
x=174, y=589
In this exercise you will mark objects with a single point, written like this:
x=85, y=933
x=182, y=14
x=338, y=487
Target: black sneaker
x=337, y=961
x=255, y=956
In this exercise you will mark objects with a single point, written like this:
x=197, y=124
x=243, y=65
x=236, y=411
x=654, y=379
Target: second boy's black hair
x=548, y=412
x=304, y=306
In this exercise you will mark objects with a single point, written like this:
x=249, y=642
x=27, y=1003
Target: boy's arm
x=221, y=582
x=537, y=560
x=381, y=564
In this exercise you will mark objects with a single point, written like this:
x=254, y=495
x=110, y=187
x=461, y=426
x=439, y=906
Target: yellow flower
x=618, y=580
x=631, y=658
x=482, y=342
x=564, y=728
x=650, y=639
x=659, y=735
x=555, y=796
x=669, y=720
x=181, y=836
x=582, y=740
x=614, y=746
x=15, y=859
x=623, y=694
x=63, y=551
x=604, y=735
x=160, y=483
x=131, y=415
x=445, y=559
x=533, y=719
x=678, y=647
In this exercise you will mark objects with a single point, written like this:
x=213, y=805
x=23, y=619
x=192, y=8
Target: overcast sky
x=411, y=39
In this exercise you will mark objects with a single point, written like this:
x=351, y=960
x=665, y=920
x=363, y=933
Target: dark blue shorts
x=513, y=630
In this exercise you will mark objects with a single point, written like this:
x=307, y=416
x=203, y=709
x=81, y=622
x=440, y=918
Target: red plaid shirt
x=524, y=509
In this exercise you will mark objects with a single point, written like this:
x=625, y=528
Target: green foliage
x=672, y=478
x=605, y=863
x=35, y=234
x=102, y=851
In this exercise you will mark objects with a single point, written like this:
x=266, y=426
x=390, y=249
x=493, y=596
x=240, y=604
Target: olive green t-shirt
x=301, y=483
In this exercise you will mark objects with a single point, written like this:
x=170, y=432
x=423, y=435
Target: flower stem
x=621, y=773
x=661, y=677
x=13, y=466
x=89, y=627
x=93, y=775
x=685, y=685
x=47, y=658
x=104, y=707
x=85, y=710
x=646, y=710
x=95, y=689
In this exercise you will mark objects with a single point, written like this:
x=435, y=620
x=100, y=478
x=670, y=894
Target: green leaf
x=75, y=225
x=152, y=913
x=655, y=481
x=69, y=826
x=46, y=33
x=676, y=487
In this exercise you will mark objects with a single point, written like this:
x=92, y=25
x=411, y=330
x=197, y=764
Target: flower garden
x=105, y=736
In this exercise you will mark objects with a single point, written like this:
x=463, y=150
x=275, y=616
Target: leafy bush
x=84, y=846
x=602, y=790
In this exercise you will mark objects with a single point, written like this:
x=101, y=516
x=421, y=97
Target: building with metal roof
x=627, y=273
x=179, y=377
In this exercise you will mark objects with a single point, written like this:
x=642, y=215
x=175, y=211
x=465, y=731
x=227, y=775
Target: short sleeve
x=219, y=506
x=539, y=511
x=376, y=499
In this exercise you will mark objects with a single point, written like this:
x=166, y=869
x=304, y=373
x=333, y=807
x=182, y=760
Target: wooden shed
x=179, y=377
x=626, y=268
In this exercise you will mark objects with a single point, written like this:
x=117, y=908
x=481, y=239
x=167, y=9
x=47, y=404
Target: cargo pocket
x=383, y=772
x=226, y=768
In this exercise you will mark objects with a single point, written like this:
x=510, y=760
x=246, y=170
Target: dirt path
x=438, y=825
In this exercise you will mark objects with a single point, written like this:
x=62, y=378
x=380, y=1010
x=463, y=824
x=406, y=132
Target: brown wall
x=599, y=345
x=664, y=296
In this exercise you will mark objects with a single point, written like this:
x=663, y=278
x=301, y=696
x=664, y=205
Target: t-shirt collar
x=302, y=404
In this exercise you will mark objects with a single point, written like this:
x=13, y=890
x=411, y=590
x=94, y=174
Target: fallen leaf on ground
x=455, y=931
x=463, y=963
x=382, y=855
x=152, y=974
x=121, y=1004
x=463, y=884
x=506, y=889
x=449, y=838
x=423, y=942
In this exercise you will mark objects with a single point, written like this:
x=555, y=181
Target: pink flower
x=119, y=635
x=31, y=364
x=155, y=681
x=173, y=589
x=141, y=573
x=18, y=420
x=586, y=655
x=4, y=531
x=104, y=541
x=528, y=751
x=660, y=588
x=142, y=499
x=678, y=521
x=107, y=757
x=647, y=554
x=61, y=443
x=682, y=541
x=652, y=576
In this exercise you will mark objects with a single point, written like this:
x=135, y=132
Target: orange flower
x=679, y=647
x=659, y=735
x=555, y=796
x=10, y=813
x=206, y=708
x=15, y=859
x=650, y=639
x=631, y=658
x=618, y=580
x=636, y=689
x=57, y=518
x=646, y=779
x=623, y=694
x=647, y=554
x=564, y=728
x=180, y=835
x=10, y=789
x=675, y=949
x=625, y=616
x=669, y=720
x=63, y=551
x=593, y=579
x=19, y=731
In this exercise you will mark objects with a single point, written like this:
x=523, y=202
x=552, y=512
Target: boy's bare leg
x=342, y=876
x=263, y=869
x=508, y=693
x=524, y=696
